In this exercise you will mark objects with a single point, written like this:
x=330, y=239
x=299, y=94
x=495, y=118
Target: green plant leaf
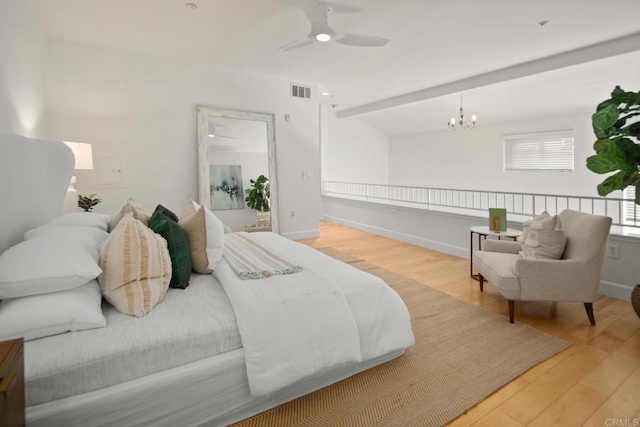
x=606, y=117
x=612, y=183
x=601, y=144
x=610, y=159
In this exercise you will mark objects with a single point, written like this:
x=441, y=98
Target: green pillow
x=162, y=222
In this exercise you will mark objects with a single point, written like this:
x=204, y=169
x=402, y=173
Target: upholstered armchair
x=574, y=277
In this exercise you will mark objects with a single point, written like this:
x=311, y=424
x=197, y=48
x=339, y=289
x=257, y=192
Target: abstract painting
x=225, y=186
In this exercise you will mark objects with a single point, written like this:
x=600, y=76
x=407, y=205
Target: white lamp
x=83, y=161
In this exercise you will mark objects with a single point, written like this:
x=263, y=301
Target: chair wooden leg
x=481, y=280
x=589, y=307
x=512, y=309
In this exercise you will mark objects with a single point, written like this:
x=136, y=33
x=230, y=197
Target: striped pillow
x=136, y=268
x=131, y=205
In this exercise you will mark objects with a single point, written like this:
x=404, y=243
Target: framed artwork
x=225, y=187
x=497, y=219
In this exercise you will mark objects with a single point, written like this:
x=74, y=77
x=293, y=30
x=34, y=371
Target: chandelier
x=460, y=123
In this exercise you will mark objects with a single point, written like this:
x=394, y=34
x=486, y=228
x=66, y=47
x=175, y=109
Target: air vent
x=300, y=91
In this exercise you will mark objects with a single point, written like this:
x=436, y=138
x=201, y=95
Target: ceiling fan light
x=211, y=135
x=323, y=37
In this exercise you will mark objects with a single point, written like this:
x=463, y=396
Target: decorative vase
x=264, y=219
x=635, y=299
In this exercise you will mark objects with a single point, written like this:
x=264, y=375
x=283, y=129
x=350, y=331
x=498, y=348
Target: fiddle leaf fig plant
x=88, y=202
x=616, y=125
x=259, y=193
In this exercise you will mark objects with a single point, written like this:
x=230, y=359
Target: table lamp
x=83, y=161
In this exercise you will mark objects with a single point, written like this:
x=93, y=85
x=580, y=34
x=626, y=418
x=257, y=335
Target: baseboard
x=414, y=240
x=616, y=290
x=304, y=234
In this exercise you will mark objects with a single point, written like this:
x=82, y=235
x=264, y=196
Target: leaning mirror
x=237, y=168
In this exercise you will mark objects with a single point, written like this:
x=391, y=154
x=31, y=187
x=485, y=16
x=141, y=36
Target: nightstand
x=11, y=383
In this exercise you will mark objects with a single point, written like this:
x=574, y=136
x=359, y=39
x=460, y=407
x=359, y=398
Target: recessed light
x=543, y=23
x=191, y=6
x=323, y=37
x=325, y=94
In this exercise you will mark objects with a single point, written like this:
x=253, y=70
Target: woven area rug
x=463, y=354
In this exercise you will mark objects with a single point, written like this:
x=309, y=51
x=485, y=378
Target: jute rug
x=463, y=354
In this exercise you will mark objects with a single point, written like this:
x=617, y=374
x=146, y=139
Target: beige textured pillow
x=132, y=206
x=526, y=226
x=136, y=268
x=193, y=223
x=206, y=237
x=544, y=239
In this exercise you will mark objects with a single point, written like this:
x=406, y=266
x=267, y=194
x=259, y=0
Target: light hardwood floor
x=596, y=382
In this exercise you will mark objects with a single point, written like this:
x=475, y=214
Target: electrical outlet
x=293, y=214
x=613, y=251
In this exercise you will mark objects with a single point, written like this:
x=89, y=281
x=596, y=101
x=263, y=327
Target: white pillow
x=215, y=236
x=38, y=316
x=77, y=219
x=88, y=238
x=52, y=260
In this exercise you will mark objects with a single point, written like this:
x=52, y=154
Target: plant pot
x=264, y=219
x=635, y=299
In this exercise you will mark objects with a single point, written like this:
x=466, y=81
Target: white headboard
x=34, y=177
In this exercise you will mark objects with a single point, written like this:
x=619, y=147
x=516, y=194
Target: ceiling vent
x=300, y=91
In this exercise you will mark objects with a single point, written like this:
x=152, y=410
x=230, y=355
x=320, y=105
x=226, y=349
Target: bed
x=185, y=363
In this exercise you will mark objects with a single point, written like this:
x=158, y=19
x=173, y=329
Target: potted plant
x=617, y=128
x=258, y=199
x=88, y=202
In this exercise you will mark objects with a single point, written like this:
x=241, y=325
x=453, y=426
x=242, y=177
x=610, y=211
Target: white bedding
x=297, y=325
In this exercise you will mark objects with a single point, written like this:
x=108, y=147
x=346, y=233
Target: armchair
x=574, y=277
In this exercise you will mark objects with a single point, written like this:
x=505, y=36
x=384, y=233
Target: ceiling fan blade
x=296, y=44
x=360, y=40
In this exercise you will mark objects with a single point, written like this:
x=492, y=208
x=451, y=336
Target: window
x=631, y=211
x=541, y=151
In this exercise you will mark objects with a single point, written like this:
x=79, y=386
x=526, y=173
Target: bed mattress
x=188, y=325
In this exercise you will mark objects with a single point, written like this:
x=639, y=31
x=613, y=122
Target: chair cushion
x=544, y=239
x=499, y=269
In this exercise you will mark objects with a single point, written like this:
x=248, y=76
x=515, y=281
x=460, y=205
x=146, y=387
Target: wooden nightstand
x=11, y=383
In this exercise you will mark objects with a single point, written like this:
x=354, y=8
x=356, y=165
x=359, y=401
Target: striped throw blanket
x=253, y=261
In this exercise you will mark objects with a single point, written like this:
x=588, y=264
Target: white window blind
x=631, y=210
x=541, y=151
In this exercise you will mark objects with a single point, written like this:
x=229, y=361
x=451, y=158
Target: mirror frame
x=204, y=179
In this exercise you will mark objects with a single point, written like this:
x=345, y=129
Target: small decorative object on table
x=497, y=219
x=635, y=299
x=88, y=202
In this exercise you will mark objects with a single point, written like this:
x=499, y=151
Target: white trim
x=304, y=234
x=616, y=290
x=407, y=238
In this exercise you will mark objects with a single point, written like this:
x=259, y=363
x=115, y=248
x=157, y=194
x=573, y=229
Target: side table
x=483, y=231
x=12, y=398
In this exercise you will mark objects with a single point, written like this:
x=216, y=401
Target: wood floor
x=596, y=382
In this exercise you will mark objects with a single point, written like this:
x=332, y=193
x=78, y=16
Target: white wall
x=354, y=151
x=472, y=159
x=23, y=54
x=144, y=109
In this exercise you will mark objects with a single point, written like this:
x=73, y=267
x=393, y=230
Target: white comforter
x=293, y=326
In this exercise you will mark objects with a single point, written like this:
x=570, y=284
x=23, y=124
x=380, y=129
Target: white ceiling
x=238, y=135
x=433, y=42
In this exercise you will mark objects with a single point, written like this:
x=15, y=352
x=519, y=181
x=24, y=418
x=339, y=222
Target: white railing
x=519, y=206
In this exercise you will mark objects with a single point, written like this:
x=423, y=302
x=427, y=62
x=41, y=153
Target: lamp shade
x=83, y=154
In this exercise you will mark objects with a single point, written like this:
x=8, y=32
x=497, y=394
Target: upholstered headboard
x=34, y=177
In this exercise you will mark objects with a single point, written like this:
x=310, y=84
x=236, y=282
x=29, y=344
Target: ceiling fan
x=318, y=16
x=212, y=133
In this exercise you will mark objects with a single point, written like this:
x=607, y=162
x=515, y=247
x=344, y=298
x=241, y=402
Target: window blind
x=541, y=151
x=631, y=210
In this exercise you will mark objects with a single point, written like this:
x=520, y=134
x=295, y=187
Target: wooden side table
x=12, y=400
x=483, y=231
